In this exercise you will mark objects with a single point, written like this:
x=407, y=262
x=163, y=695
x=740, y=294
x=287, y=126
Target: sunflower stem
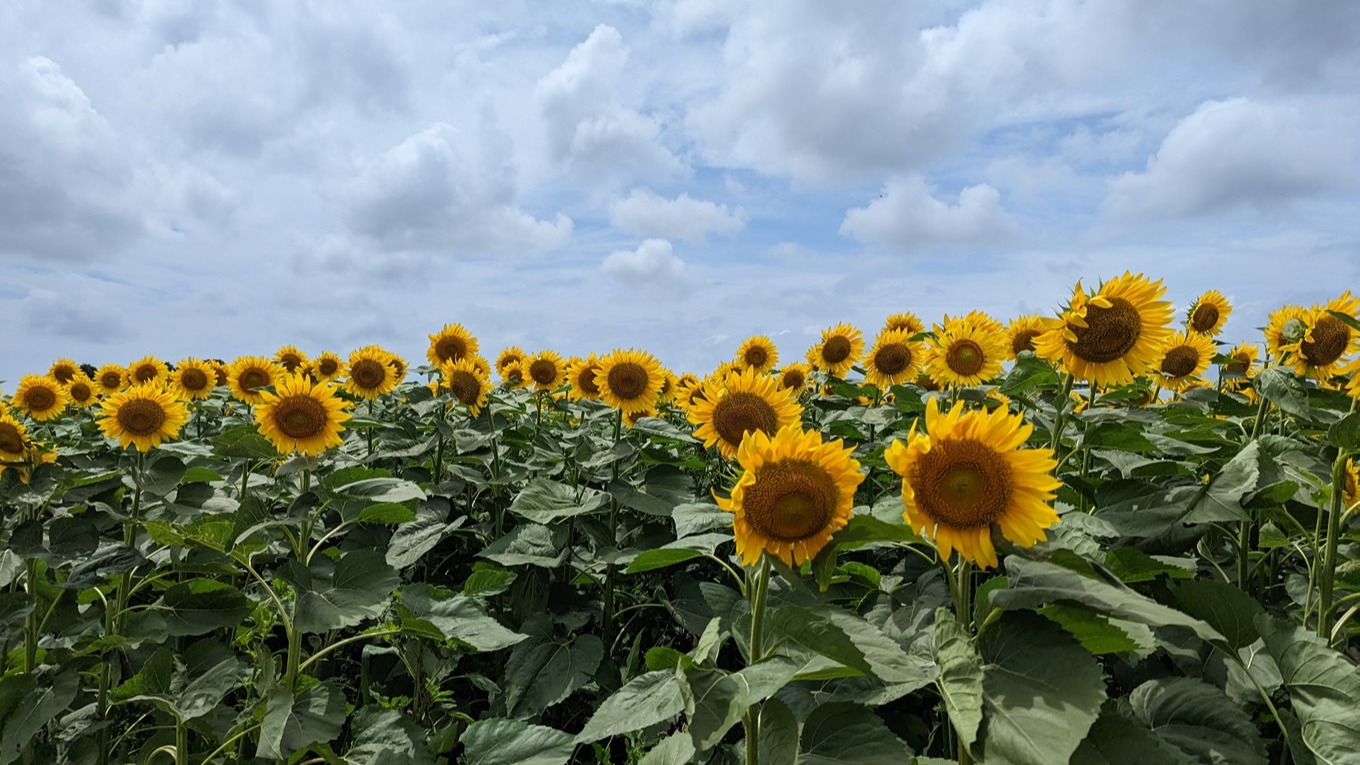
x=611, y=570
x=1061, y=419
x=1327, y=576
x=757, y=590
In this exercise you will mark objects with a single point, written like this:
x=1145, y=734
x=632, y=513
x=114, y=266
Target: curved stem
x=340, y=644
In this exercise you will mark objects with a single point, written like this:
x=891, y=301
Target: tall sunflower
x=370, y=373
x=1284, y=327
x=111, y=378
x=144, y=416
x=302, y=416
x=41, y=396
x=291, y=359
x=451, y=343
x=758, y=353
x=511, y=355
x=147, y=369
x=193, y=379
x=689, y=389
x=746, y=402
x=794, y=493
x=13, y=439
x=893, y=359
x=327, y=367
x=1208, y=314
x=629, y=380
x=980, y=319
x=513, y=376
x=1326, y=340
x=964, y=353
x=1021, y=333
x=1112, y=335
x=467, y=382
x=63, y=370
x=968, y=472
x=836, y=353
x=545, y=370
x=1183, y=359
x=80, y=389
x=794, y=377
x=907, y=321
x=248, y=375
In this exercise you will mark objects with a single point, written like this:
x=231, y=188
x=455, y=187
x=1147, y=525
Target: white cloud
x=643, y=213
x=652, y=265
x=908, y=217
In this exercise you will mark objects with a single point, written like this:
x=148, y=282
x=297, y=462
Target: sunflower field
x=1096, y=537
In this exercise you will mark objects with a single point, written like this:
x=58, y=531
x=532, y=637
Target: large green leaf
x=531, y=544
x=960, y=680
x=498, y=741
x=414, y=538
x=716, y=699
x=332, y=595
x=243, y=442
x=1223, y=607
x=38, y=706
x=199, y=606
x=542, y=672
x=850, y=640
x=1197, y=719
x=453, y=617
x=849, y=734
x=1323, y=690
x=779, y=732
x=1223, y=499
x=675, y=749
x=1117, y=740
x=290, y=722
x=543, y=500
x=189, y=686
x=645, y=700
x=1279, y=386
x=1099, y=633
x=383, y=736
x=651, y=560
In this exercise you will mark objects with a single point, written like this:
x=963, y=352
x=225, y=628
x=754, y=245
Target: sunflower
x=907, y=321
x=746, y=402
x=63, y=370
x=467, y=382
x=758, y=353
x=631, y=418
x=193, y=379
x=837, y=351
x=667, y=393
x=34, y=455
x=544, y=369
x=1208, y=314
x=291, y=359
x=248, y=374
x=147, y=369
x=893, y=359
x=301, y=415
x=508, y=356
x=795, y=491
x=980, y=319
x=13, y=439
x=398, y=365
x=110, y=378
x=452, y=343
x=1242, y=360
x=1021, y=333
x=629, y=380
x=963, y=353
x=1183, y=359
x=689, y=389
x=1350, y=490
x=1284, y=327
x=222, y=371
x=1326, y=339
x=1112, y=335
x=143, y=416
x=968, y=472
x=81, y=390
x=795, y=377
x=512, y=375
x=370, y=372
x=327, y=366
x=41, y=396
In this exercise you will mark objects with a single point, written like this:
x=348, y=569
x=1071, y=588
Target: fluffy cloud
x=643, y=213
x=652, y=265
x=908, y=217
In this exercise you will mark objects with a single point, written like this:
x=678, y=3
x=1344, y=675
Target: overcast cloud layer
x=217, y=179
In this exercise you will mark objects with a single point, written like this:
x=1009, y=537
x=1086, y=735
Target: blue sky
x=219, y=179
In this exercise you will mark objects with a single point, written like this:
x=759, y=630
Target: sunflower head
x=513, y=376
x=545, y=370
x=41, y=396
x=13, y=439
x=906, y=321
x=1183, y=359
x=144, y=416
x=1208, y=314
x=451, y=343
x=965, y=353
x=795, y=377
x=629, y=380
x=327, y=367
x=840, y=346
x=688, y=390
x=758, y=353
x=291, y=359
x=668, y=389
x=249, y=376
x=370, y=373
x=747, y=402
x=110, y=378
x=301, y=415
x=794, y=493
x=147, y=369
x=968, y=473
x=1350, y=490
x=893, y=359
x=63, y=370
x=467, y=382
x=511, y=355
x=193, y=379
x=222, y=371
x=1284, y=328
x=1112, y=335
x=81, y=390
x=1021, y=333
x=1243, y=359
x=1326, y=340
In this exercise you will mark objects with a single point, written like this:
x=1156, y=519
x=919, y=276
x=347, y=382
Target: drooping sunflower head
x=893, y=359
x=248, y=376
x=758, y=353
x=144, y=416
x=1112, y=335
x=327, y=367
x=1326, y=340
x=629, y=380
x=746, y=402
x=1021, y=333
x=467, y=382
x=370, y=372
x=545, y=370
x=41, y=396
x=147, y=369
x=794, y=493
x=795, y=377
x=967, y=473
x=1208, y=314
x=110, y=378
x=81, y=390
x=193, y=379
x=840, y=346
x=507, y=357
x=63, y=370
x=291, y=359
x=451, y=343
x=1183, y=359
x=13, y=439
x=906, y=321
x=965, y=353
x=302, y=416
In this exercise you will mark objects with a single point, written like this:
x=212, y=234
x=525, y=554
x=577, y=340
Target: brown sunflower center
x=1109, y=332
x=506, y=361
x=1023, y=340
x=111, y=380
x=1180, y=361
x=543, y=371
x=253, y=378
x=836, y=350
x=793, y=379
x=585, y=380
x=220, y=372
x=737, y=414
x=145, y=372
x=756, y=356
x=1204, y=318
x=965, y=357
x=11, y=441
x=290, y=361
x=328, y=367
x=465, y=387
x=962, y=483
x=791, y=500
x=368, y=373
x=1330, y=338
x=893, y=359
x=40, y=399
x=141, y=417
x=194, y=380
x=450, y=349
x=628, y=380
x=80, y=392
x=300, y=416
x=63, y=373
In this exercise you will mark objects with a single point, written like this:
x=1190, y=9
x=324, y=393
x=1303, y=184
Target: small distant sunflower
x=399, y=367
x=688, y=390
x=41, y=396
x=980, y=319
x=907, y=321
x=1284, y=327
x=893, y=359
x=222, y=371
x=1326, y=340
x=794, y=377
x=963, y=353
x=1183, y=359
x=926, y=382
x=508, y=356
x=370, y=372
x=144, y=416
x=837, y=351
x=451, y=343
x=147, y=369
x=110, y=378
x=632, y=418
x=291, y=359
x=13, y=439
x=1208, y=314
x=1350, y=491
x=63, y=370
x=794, y=493
x=513, y=376
x=668, y=390
x=302, y=416
x=724, y=369
x=327, y=367
x=968, y=472
x=193, y=379
x=629, y=380
x=1243, y=359
x=34, y=455
x=545, y=370
x=247, y=377
x=483, y=366
x=758, y=353
x=81, y=390
x=1021, y=333
x=1113, y=335
x=745, y=403
x=467, y=382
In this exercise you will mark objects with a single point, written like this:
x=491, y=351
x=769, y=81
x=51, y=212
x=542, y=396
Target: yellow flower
x=41, y=396
x=907, y=321
x=370, y=373
x=794, y=493
x=512, y=374
x=452, y=343
x=964, y=353
x=1021, y=333
x=893, y=359
x=1183, y=359
x=81, y=390
x=545, y=370
x=110, y=378
x=1326, y=340
x=1350, y=492
x=398, y=365
x=508, y=356
x=147, y=369
x=581, y=378
x=667, y=392
x=794, y=377
x=758, y=353
x=629, y=380
x=248, y=375
x=632, y=418
x=1284, y=328
x=303, y=416
x=13, y=439
x=1112, y=335
x=327, y=367
x=291, y=359
x=747, y=402
x=144, y=416
x=1208, y=314
x=968, y=472
x=63, y=370
x=193, y=379
x=689, y=389
x=837, y=351
x=467, y=381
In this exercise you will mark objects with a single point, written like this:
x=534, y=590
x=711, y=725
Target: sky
x=182, y=178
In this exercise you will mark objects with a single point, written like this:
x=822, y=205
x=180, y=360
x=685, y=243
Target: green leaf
x=529, y=545
x=456, y=617
x=543, y=672
x=675, y=749
x=499, y=741
x=1098, y=633
x=383, y=490
x=1132, y=565
x=199, y=606
x=1346, y=319
x=1278, y=385
x=211, y=671
x=716, y=699
x=1199, y=720
x=383, y=736
x=651, y=560
x=1323, y=687
x=1041, y=690
x=413, y=539
x=332, y=595
x=1117, y=740
x=388, y=513
x=864, y=529
x=960, y=680
x=1223, y=607
x=1029, y=373
x=840, y=733
x=698, y=517
x=487, y=581
x=243, y=442
x=38, y=706
x=1344, y=434
x=290, y=723
x=544, y=501
x=779, y=731
x=162, y=475
x=850, y=640
x=645, y=700
x=1223, y=500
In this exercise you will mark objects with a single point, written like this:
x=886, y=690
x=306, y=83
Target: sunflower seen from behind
x=837, y=351
x=746, y=402
x=451, y=343
x=143, y=416
x=794, y=493
x=893, y=359
x=110, y=378
x=629, y=380
x=41, y=397
x=370, y=373
x=969, y=472
x=758, y=353
x=963, y=353
x=147, y=369
x=1112, y=335
x=302, y=416
x=193, y=379
x=248, y=376
x=545, y=370
x=1183, y=359
x=1208, y=314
